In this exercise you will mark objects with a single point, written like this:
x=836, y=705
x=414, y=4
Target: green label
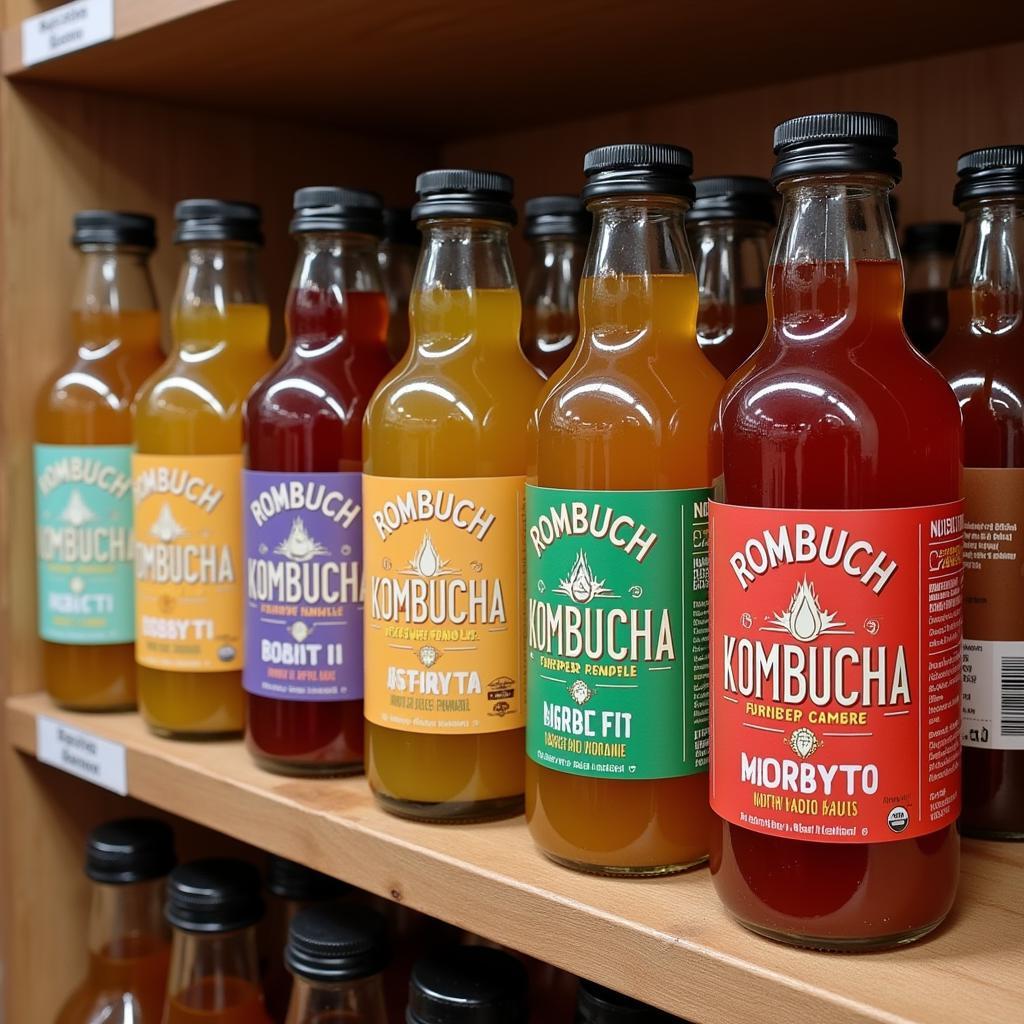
x=617, y=632
x=84, y=543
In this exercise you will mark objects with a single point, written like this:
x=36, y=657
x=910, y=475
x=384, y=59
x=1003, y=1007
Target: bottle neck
x=337, y=276
x=835, y=260
x=113, y=283
x=219, y=292
x=125, y=920
x=638, y=288
x=731, y=258
x=355, y=1002
x=226, y=962
x=987, y=290
x=464, y=296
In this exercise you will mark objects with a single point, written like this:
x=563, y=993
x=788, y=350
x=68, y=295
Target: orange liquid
x=126, y=984
x=589, y=438
x=217, y=1000
x=193, y=406
x=89, y=402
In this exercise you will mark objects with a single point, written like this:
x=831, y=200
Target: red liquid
x=217, y=1000
x=836, y=410
x=924, y=319
x=306, y=416
x=728, y=334
x=986, y=373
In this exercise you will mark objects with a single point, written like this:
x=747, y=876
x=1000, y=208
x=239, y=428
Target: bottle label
x=188, y=583
x=617, y=631
x=84, y=543
x=835, y=670
x=304, y=585
x=993, y=713
x=444, y=598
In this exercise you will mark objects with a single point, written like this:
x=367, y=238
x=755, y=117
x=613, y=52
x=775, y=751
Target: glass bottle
x=982, y=357
x=337, y=954
x=728, y=227
x=302, y=494
x=558, y=229
x=187, y=472
x=596, y=1004
x=467, y=985
x=214, y=906
x=83, y=433
x=397, y=254
x=836, y=557
x=445, y=462
x=617, y=733
x=129, y=948
x=294, y=887
x=928, y=251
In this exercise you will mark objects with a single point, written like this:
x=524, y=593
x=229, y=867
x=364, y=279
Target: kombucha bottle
x=302, y=493
x=982, y=357
x=397, y=256
x=337, y=955
x=617, y=732
x=558, y=229
x=928, y=251
x=837, y=570
x=129, y=948
x=214, y=906
x=187, y=471
x=83, y=467
x=728, y=227
x=468, y=985
x=445, y=465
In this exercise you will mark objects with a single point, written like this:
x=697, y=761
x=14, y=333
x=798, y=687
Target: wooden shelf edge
x=666, y=941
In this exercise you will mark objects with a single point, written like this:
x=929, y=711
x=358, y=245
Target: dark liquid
x=217, y=1000
x=307, y=417
x=548, y=337
x=864, y=422
x=986, y=372
x=924, y=319
x=729, y=334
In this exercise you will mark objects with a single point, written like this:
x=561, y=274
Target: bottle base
x=464, y=812
x=831, y=944
x=616, y=871
x=305, y=769
x=94, y=709
x=192, y=737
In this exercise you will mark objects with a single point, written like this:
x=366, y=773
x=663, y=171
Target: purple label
x=303, y=585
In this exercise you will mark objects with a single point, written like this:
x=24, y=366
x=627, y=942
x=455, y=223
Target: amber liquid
x=89, y=402
x=456, y=406
x=729, y=334
x=589, y=438
x=217, y=1000
x=193, y=406
x=126, y=984
x=548, y=337
x=836, y=410
x=984, y=365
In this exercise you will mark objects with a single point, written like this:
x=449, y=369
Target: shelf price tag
x=65, y=29
x=99, y=761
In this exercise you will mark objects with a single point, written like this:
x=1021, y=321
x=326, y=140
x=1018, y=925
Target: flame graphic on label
x=581, y=584
x=76, y=512
x=427, y=562
x=166, y=528
x=299, y=546
x=805, y=619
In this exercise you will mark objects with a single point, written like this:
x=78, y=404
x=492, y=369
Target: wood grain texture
x=665, y=941
x=454, y=69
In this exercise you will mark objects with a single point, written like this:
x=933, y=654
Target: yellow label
x=188, y=588
x=444, y=570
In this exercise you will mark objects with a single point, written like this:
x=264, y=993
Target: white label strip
x=99, y=761
x=66, y=29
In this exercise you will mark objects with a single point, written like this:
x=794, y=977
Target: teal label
x=617, y=632
x=84, y=543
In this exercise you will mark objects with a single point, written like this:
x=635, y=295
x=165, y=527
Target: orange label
x=188, y=590
x=835, y=670
x=444, y=570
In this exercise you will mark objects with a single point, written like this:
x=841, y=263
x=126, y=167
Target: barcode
x=1011, y=707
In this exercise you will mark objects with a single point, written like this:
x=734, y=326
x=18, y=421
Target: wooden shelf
x=459, y=68
x=666, y=941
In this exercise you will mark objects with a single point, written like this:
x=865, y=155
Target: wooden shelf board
x=665, y=941
x=459, y=69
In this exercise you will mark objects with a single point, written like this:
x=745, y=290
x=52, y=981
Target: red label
x=836, y=670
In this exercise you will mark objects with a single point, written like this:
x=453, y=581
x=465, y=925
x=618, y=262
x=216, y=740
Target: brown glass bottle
x=397, y=255
x=982, y=357
x=728, y=227
x=927, y=264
